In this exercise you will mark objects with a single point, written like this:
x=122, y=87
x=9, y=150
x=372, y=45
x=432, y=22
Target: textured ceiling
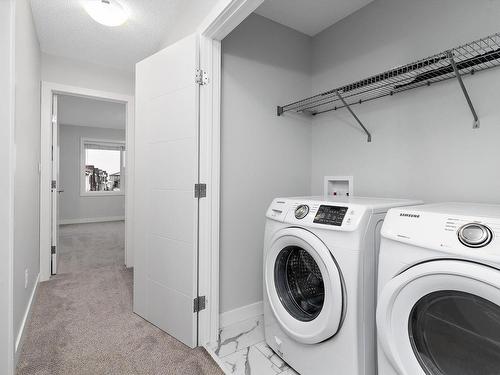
x=309, y=17
x=78, y=111
x=65, y=29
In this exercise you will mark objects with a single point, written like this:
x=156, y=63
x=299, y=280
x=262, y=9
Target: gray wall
x=27, y=140
x=83, y=74
x=72, y=205
x=263, y=156
x=6, y=189
x=423, y=143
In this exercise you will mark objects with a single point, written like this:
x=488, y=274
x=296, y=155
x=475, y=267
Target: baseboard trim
x=91, y=220
x=240, y=314
x=27, y=314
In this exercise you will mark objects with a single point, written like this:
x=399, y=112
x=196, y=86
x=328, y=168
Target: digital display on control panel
x=330, y=215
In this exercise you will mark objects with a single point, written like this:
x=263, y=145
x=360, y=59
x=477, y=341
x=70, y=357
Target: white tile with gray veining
x=243, y=351
x=272, y=357
x=257, y=359
x=249, y=361
x=240, y=336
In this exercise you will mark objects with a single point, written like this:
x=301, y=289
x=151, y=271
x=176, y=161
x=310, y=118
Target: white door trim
x=208, y=256
x=225, y=16
x=54, y=189
x=48, y=89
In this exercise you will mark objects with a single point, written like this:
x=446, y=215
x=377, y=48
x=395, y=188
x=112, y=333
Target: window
x=102, y=167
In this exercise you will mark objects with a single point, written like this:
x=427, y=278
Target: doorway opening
x=89, y=169
x=86, y=179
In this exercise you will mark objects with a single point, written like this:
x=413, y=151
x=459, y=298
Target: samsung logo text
x=409, y=215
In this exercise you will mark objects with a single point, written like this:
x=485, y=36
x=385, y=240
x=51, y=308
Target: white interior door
x=54, y=187
x=166, y=170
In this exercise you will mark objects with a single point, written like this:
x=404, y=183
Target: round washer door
x=442, y=318
x=304, y=286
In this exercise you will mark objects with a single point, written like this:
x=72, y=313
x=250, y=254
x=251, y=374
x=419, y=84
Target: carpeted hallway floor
x=92, y=245
x=82, y=321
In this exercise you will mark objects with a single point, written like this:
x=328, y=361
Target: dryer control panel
x=456, y=228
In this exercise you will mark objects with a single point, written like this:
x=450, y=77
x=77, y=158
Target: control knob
x=475, y=235
x=301, y=211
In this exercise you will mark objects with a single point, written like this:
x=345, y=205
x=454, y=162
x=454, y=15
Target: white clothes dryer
x=438, y=309
x=320, y=282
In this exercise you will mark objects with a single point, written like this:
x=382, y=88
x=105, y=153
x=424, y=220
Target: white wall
x=7, y=21
x=83, y=74
x=423, y=143
x=263, y=156
x=27, y=140
x=74, y=207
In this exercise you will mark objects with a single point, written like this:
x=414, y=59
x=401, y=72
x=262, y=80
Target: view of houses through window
x=103, y=166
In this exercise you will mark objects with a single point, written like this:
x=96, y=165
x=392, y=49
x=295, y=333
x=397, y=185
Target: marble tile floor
x=243, y=351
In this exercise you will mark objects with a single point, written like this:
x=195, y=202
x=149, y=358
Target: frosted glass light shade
x=106, y=12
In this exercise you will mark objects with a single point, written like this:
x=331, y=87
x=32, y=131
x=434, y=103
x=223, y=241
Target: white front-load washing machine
x=320, y=284
x=438, y=309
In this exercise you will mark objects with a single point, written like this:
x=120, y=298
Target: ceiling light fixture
x=106, y=12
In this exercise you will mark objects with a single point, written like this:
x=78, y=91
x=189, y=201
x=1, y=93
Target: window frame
x=101, y=142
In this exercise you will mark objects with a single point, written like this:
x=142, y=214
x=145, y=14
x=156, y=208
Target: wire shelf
x=467, y=59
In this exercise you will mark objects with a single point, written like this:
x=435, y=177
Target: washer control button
x=475, y=235
x=301, y=211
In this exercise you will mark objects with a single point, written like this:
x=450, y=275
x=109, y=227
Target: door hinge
x=52, y=249
x=53, y=184
x=199, y=303
x=54, y=119
x=201, y=77
x=200, y=190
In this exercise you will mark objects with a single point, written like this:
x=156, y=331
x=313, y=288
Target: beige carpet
x=82, y=323
x=92, y=245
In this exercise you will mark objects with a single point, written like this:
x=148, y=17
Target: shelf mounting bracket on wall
x=475, y=125
x=369, y=136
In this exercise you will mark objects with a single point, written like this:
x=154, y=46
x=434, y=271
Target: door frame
x=224, y=17
x=49, y=89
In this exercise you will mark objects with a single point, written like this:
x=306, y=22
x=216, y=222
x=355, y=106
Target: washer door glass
x=456, y=333
x=299, y=283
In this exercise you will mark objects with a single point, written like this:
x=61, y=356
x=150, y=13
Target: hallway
x=82, y=321
x=92, y=245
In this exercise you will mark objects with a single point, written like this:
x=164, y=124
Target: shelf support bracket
x=369, y=136
x=475, y=124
